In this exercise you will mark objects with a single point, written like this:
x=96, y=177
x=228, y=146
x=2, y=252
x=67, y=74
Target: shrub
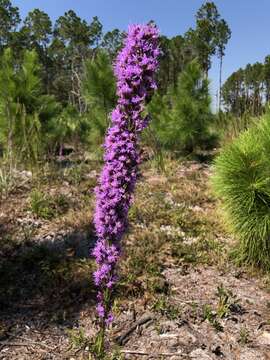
x=242, y=180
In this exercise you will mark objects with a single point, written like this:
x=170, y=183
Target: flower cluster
x=135, y=68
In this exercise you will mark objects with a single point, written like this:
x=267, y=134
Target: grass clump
x=162, y=306
x=242, y=181
x=45, y=206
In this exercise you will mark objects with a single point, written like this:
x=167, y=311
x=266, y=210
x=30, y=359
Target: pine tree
x=192, y=109
x=24, y=109
x=99, y=91
x=61, y=128
x=8, y=107
x=242, y=181
x=10, y=18
x=182, y=117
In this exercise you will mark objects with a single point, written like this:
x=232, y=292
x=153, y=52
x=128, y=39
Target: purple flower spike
x=135, y=69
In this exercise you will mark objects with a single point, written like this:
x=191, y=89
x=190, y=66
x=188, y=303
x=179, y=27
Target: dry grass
x=174, y=229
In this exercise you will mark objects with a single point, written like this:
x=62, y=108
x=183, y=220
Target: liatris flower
x=135, y=68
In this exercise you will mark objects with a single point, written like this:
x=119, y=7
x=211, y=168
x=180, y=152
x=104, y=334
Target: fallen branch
x=123, y=338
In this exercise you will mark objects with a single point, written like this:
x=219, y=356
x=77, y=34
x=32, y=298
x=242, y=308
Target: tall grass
x=230, y=127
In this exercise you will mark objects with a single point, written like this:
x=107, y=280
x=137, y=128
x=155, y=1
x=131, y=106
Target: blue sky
x=248, y=20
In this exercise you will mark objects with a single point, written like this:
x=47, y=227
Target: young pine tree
x=99, y=89
x=19, y=122
x=24, y=109
x=62, y=129
x=242, y=181
x=182, y=118
x=192, y=109
x=7, y=104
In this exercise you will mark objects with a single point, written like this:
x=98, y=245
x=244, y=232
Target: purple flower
x=101, y=310
x=109, y=319
x=135, y=68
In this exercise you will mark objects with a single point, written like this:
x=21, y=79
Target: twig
x=122, y=339
x=27, y=343
x=26, y=339
x=155, y=355
x=11, y=336
x=187, y=302
x=5, y=343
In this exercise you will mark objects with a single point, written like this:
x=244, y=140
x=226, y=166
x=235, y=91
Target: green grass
x=46, y=206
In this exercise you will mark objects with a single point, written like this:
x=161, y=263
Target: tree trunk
x=220, y=82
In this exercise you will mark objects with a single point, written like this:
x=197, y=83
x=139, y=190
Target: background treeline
x=247, y=90
x=58, y=83
x=59, y=88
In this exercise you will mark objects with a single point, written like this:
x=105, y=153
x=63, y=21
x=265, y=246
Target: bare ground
x=180, y=297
